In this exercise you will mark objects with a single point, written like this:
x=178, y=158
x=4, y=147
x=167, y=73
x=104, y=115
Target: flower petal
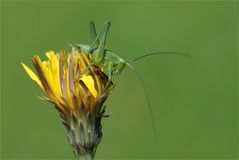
x=71, y=76
x=54, y=69
x=89, y=82
x=63, y=73
x=44, y=77
x=33, y=76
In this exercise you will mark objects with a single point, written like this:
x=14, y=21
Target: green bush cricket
x=111, y=63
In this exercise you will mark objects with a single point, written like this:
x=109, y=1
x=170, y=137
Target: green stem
x=85, y=157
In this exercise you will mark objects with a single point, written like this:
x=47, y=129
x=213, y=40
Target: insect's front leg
x=84, y=71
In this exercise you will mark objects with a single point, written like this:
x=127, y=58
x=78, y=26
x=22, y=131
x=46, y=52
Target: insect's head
x=84, y=48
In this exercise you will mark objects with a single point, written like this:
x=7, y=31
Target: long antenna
x=147, y=98
x=157, y=53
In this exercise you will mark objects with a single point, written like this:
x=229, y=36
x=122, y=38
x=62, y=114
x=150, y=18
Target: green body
x=108, y=61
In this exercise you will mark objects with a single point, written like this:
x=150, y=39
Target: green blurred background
x=194, y=101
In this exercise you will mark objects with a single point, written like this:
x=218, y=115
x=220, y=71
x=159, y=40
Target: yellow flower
x=78, y=90
x=63, y=84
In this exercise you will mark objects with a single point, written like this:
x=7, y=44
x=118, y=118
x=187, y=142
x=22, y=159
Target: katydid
x=111, y=63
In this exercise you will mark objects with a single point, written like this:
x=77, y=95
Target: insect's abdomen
x=111, y=56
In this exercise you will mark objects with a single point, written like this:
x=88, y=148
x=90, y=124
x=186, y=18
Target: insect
x=107, y=60
x=110, y=62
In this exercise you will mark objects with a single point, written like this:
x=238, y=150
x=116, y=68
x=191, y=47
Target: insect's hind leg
x=93, y=34
x=103, y=30
x=100, y=51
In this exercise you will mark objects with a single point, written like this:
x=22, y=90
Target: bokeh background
x=194, y=101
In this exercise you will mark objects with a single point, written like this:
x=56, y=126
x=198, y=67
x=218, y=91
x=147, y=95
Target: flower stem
x=85, y=157
x=83, y=154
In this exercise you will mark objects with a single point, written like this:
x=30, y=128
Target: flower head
x=78, y=90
